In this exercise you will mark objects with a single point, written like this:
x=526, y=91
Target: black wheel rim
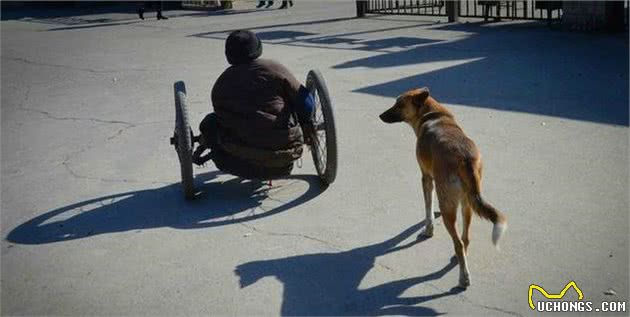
x=319, y=139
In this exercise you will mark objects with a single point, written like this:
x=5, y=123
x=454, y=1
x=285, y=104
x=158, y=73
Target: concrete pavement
x=94, y=222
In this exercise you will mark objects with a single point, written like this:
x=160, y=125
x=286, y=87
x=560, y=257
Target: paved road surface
x=94, y=222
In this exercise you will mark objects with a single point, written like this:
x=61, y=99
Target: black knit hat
x=242, y=46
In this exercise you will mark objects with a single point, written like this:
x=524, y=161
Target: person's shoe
x=161, y=17
x=269, y=4
x=141, y=13
x=260, y=4
x=290, y=3
x=283, y=6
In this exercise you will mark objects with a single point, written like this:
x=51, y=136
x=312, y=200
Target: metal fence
x=616, y=12
x=528, y=9
x=404, y=7
x=200, y=4
x=513, y=10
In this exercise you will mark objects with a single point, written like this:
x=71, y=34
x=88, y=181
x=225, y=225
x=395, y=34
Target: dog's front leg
x=427, y=188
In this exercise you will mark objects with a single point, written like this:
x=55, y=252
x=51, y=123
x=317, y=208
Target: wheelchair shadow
x=224, y=201
x=328, y=284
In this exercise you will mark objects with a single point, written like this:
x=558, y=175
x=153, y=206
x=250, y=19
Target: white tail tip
x=497, y=233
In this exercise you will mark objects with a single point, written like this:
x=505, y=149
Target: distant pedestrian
x=154, y=4
x=284, y=4
x=261, y=4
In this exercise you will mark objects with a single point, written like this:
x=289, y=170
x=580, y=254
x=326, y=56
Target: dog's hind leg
x=467, y=213
x=427, y=189
x=448, y=209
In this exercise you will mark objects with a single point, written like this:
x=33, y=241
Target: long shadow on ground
x=526, y=67
x=325, y=284
x=517, y=68
x=223, y=203
x=64, y=13
x=88, y=15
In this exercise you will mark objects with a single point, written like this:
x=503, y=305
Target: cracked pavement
x=94, y=222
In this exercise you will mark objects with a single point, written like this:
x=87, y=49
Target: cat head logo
x=553, y=296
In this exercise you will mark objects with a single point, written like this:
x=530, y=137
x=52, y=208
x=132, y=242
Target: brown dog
x=451, y=160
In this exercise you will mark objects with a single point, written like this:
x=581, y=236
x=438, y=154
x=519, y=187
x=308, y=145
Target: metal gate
x=513, y=10
x=407, y=7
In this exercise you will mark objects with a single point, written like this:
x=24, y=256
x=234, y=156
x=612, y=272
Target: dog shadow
x=325, y=284
x=222, y=202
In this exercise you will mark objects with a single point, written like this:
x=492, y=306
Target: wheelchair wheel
x=324, y=145
x=183, y=140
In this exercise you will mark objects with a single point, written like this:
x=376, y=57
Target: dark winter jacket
x=257, y=127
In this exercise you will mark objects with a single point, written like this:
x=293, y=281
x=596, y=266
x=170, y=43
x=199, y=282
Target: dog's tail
x=471, y=180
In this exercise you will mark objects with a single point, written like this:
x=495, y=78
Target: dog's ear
x=421, y=96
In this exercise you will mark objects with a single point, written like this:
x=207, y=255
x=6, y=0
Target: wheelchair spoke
x=319, y=138
x=321, y=148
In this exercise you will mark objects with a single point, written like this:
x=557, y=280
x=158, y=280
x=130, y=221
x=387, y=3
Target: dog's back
x=441, y=138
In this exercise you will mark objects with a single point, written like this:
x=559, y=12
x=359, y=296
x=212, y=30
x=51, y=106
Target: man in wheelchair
x=262, y=114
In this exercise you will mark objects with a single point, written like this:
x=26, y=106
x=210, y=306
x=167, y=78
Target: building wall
x=584, y=15
x=594, y=15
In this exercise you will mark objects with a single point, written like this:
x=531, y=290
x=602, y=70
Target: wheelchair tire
x=324, y=150
x=183, y=140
